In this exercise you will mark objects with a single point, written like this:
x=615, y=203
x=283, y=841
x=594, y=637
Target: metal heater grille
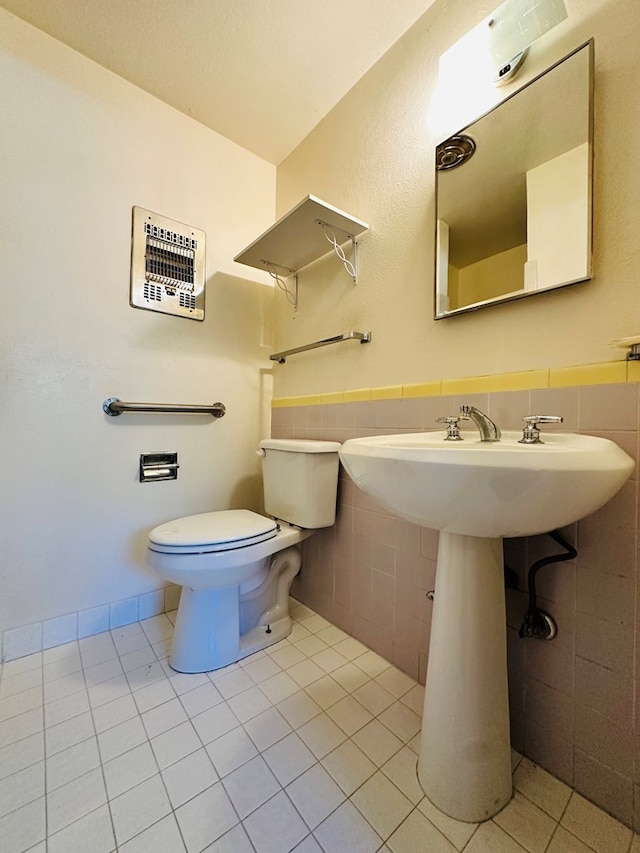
x=167, y=266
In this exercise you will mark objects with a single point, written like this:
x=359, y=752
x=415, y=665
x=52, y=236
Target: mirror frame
x=468, y=130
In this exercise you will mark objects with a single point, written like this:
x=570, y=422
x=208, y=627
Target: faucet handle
x=531, y=434
x=453, y=430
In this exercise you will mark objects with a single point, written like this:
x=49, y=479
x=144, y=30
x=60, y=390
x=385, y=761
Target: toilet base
x=258, y=639
x=204, y=636
x=207, y=630
x=190, y=654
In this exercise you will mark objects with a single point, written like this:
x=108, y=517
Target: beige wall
x=373, y=157
x=78, y=148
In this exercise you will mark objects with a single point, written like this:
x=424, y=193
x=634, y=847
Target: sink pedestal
x=465, y=757
x=483, y=490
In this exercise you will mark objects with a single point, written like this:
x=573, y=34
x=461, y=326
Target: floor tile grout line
x=166, y=790
x=26, y=766
x=44, y=768
x=204, y=747
x=159, y=773
x=538, y=806
x=469, y=840
x=261, y=751
x=282, y=788
x=18, y=692
x=293, y=805
x=318, y=761
x=573, y=835
x=511, y=835
x=104, y=778
x=23, y=710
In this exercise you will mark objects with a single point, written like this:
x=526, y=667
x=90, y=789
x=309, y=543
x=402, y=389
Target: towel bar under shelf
x=363, y=337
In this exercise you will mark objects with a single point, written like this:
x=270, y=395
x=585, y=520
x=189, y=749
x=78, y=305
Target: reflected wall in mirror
x=513, y=218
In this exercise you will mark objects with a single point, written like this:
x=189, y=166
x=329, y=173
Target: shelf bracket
x=351, y=266
x=292, y=298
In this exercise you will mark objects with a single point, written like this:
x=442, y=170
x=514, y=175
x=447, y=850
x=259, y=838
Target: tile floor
x=310, y=746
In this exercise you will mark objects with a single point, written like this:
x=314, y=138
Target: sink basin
x=475, y=493
x=488, y=488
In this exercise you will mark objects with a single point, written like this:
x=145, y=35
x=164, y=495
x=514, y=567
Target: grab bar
x=363, y=337
x=113, y=407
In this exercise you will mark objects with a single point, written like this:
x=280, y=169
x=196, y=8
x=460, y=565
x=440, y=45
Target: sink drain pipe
x=537, y=623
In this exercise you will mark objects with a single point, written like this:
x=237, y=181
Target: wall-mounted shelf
x=309, y=231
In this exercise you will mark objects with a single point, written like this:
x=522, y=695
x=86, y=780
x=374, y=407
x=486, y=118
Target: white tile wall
x=20, y=642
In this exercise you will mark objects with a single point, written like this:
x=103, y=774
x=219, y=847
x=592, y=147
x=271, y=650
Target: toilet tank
x=300, y=480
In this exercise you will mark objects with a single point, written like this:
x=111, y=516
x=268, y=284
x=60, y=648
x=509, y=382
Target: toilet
x=236, y=567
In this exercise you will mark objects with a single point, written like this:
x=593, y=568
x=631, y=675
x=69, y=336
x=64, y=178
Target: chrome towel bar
x=363, y=337
x=113, y=407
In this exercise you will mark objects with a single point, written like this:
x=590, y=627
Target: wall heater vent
x=167, y=266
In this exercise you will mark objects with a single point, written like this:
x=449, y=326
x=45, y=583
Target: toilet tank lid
x=300, y=445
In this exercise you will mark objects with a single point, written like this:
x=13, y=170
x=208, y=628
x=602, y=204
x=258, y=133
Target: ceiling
x=262, y=73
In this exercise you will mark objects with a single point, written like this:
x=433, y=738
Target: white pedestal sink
x=475, y=493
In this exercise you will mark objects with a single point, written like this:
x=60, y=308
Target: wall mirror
x=514, y=193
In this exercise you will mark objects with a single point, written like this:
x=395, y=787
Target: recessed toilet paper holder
x=160, y=465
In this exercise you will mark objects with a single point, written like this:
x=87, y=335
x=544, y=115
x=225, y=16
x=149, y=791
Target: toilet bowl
x=236, y=567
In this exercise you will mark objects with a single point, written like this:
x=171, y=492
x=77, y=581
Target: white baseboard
x=18, y=642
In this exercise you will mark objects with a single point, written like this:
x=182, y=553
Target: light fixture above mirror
x=514, y=26
x=514, y=219
x=496, y=47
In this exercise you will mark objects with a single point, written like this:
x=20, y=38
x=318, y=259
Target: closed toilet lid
x=212, y=531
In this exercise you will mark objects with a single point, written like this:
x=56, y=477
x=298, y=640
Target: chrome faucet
x=488, y=430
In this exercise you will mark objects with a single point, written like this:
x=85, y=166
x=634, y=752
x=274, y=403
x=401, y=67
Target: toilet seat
x=208, y=532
